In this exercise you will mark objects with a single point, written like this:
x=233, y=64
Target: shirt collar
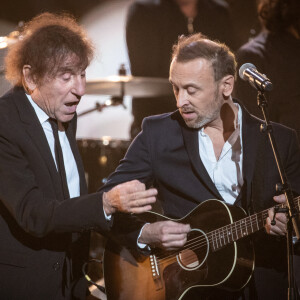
x=239, y=120
x=42, y=116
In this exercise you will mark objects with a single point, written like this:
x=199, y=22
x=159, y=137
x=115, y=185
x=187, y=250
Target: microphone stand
x=293, y=221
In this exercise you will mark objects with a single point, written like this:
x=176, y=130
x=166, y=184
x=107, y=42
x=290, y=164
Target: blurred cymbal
x=129, y=85
x=10, y=39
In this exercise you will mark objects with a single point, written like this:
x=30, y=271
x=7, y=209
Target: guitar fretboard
x=223, y=236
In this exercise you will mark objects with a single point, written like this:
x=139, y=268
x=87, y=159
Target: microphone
x=248, y=72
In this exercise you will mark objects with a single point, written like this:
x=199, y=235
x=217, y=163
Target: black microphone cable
x=87, y=277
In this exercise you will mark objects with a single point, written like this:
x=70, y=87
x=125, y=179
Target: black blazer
x=166, y=155
x=37, y=225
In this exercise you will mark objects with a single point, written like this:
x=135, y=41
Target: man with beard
x=210, y=148
x=151, y=30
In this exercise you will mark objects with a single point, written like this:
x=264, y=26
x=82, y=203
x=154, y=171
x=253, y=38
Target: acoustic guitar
x=218, y=253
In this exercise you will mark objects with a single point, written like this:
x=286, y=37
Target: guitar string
x=202, y=246
x=200, y=242
x=243, y=225
x=217, y=232
x=203, y=242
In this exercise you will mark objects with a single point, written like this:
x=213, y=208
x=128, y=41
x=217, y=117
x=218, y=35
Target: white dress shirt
x=226, y=172
x=69, y=160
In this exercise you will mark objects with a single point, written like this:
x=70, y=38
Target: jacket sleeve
x=136, y=165
x=28, y=194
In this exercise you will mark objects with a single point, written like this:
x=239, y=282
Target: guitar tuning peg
x=281, y=187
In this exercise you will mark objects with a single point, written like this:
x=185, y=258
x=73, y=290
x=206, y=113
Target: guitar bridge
x=155, y=272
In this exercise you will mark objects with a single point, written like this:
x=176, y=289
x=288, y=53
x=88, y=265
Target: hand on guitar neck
x=132, y=197
x=170, y=235
x=167, y=235
x=215, y=250
x=281, y=219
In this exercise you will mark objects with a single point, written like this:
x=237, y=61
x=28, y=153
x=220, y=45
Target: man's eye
x=191, y=90
x=66, y=78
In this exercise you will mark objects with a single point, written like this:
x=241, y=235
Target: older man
x=43, y=210
x=210, y=148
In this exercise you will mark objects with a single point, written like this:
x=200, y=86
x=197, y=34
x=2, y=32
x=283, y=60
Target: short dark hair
x=47, y=41
x=277, y=15
x=199, y=46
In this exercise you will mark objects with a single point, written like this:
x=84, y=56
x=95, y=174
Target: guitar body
x=168, y=276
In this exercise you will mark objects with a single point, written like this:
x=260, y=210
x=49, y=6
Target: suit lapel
x=251, y=138
x=37, y=136
x=190, y=138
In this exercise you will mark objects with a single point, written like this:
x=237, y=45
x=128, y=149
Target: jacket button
x=56, y=266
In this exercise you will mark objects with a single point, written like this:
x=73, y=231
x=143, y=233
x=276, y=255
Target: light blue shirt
x=226, y=172
x=69, y=160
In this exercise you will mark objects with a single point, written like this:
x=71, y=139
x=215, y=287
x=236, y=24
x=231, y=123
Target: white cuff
x=142, y=245
x=107, y=218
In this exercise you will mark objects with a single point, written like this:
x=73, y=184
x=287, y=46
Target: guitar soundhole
x=195, y=250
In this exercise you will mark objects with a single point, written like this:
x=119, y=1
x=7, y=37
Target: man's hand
x=281, y=219
x=167, y=235
x=129, y=197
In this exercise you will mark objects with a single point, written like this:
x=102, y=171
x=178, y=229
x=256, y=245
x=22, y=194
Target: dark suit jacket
x=152, y=27
x=166, y=155
x=36, y=223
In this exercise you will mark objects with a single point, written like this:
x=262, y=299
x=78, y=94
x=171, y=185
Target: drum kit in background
x=101, y=156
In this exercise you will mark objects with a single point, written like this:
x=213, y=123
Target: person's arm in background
x=252, y=53
x=143, y=40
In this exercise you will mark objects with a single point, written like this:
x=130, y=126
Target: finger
x=142, y=202
x=143, y=194
x=138, y=206
x=139, y=210
x=174, y=242
x=171, y=227
x=133, y=197
x=281, y=223
x=137, y=186
x=278, y=229
x=132, y=186
x=173, y=238
x=271, y=213
x=174, y=245
x=268, y=225
x=281, y=218
x=280, y=198
x=140, y=199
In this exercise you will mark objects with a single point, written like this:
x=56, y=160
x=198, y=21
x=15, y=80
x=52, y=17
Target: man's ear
x=28, y=81
x=227, y=85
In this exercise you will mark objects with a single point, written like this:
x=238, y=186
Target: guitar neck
x=230, y=233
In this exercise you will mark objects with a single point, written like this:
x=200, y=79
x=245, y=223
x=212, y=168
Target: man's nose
x=182, y=98
x=79, y=86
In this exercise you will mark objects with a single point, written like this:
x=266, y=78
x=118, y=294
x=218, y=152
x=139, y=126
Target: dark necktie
x=59, y=159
